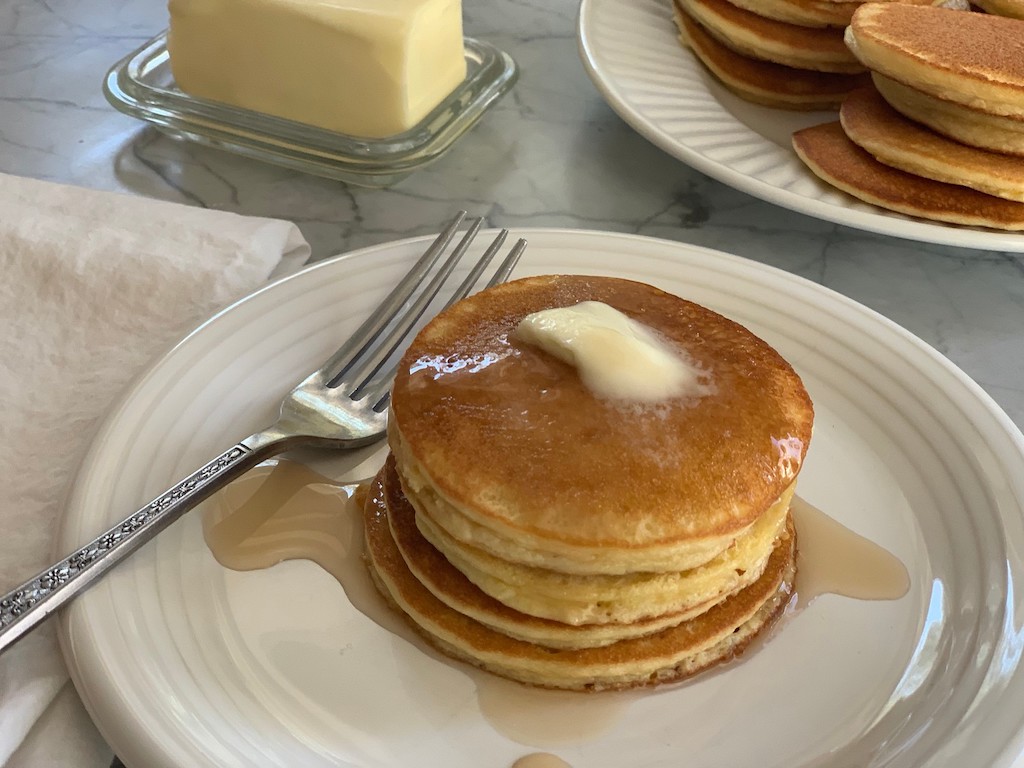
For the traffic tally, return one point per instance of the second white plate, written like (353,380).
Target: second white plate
(184,663)
(631,51)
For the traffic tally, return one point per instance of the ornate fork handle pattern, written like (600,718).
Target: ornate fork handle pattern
(27,605)
(341,405)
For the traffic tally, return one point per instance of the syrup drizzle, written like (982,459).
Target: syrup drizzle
(282,510)
(832,559)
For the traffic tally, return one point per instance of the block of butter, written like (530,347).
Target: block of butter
(368,68)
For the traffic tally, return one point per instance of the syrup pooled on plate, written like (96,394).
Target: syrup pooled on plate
(282,510)
(832,559)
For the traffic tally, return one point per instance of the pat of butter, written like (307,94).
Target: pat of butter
(616,356)
(368,68)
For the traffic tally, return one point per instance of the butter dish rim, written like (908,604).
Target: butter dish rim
(140,85)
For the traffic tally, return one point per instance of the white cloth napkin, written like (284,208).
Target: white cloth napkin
(93,285)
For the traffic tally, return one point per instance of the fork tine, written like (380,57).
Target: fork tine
(340,361)
(386,346)
(478,269)
(502,274)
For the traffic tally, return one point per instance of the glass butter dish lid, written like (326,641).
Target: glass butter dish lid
(141,85)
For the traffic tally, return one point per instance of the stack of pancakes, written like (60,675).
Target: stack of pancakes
(940,133)
(781,53)
(538,531)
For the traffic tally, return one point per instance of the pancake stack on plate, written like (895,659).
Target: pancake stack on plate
(781,53)
(538,531)
(940,135)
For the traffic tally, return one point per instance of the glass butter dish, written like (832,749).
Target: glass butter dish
(141,85)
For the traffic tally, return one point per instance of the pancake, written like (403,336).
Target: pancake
(450,586)
(804,13)
(758,37)
(820,13)
(872,124)
(828,13)
(968,126)
(764,82)
(502,445)
(832,156)
(571,540)
(974,59)
(668,655)
(1012,8)
(603,599)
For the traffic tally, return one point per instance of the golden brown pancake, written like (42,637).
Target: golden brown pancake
(833,157)
(803,13)
(770,40)
(978,129)
(875,126)
(974,59)
(601,599)
(1012,8)
(671,654)
(571,540)
(824,13)
(451,586)
(504,447)
(604,599)
(764,82)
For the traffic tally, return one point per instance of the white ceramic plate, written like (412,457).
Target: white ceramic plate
(183,663)
(632,53)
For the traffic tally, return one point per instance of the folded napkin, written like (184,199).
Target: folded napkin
(93,285)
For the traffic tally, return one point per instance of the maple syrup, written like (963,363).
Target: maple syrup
(282,510)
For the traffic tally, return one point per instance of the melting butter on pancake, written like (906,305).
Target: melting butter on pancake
(492,431)
(672,654)
(764,82)
(615,356)
(771,40)
(832,156)
(552,530)
(894,140)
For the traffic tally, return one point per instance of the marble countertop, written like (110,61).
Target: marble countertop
(551,153)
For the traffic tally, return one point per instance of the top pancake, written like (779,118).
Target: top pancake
(820,49)
(511,437)
(765,82)
(975,59)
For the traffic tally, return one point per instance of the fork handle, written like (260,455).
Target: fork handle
(23,608)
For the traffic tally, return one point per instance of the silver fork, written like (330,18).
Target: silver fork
(341,405)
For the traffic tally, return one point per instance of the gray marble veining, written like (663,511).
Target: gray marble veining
(551,153)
